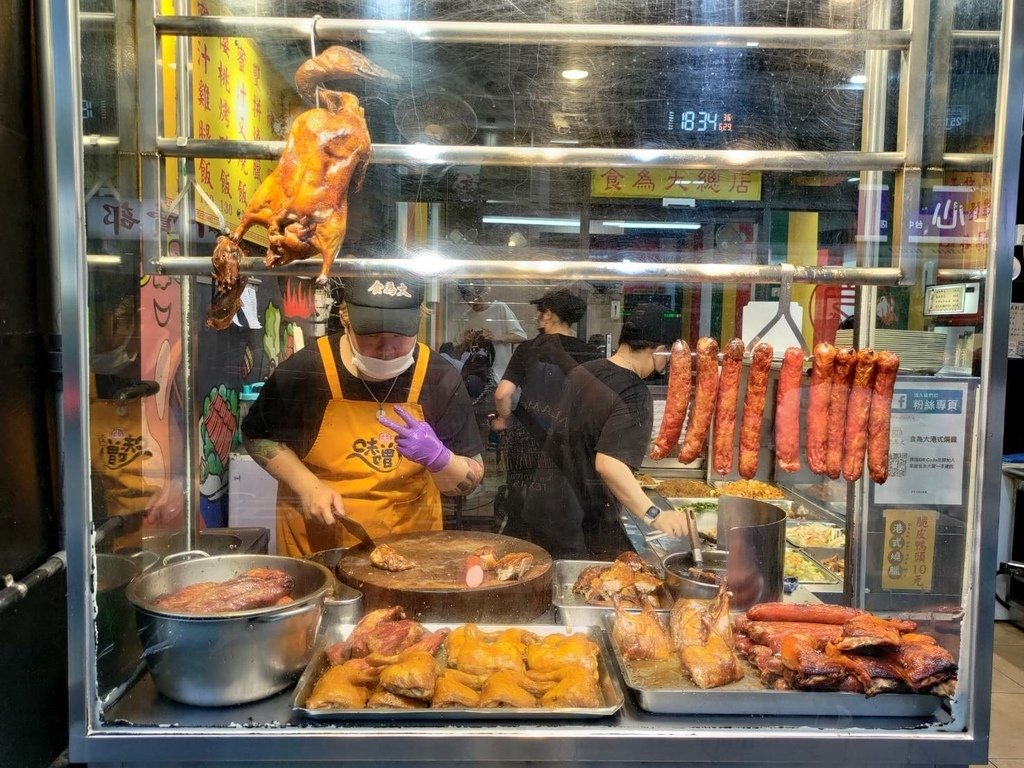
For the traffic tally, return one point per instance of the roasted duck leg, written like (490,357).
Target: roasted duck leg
(703,634)
(641,635)
(303,203)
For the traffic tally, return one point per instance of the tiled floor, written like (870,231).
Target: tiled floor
(1006,746)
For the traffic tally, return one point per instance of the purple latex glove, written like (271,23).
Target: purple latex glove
(417,441)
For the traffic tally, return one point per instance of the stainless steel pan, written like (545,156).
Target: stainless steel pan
(232,657)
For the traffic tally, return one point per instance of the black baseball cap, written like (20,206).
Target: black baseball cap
(647,325)
(384,304)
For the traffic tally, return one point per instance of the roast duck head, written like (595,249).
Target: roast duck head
(303,203)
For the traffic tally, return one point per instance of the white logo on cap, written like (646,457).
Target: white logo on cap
(378,288)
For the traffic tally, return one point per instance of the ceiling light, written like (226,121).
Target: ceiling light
(531,221)
(853,179)
(858,79)
(575,74)
(651,224)
(570,142)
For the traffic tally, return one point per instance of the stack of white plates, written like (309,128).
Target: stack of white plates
(919,351)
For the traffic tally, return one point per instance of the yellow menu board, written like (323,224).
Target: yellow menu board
(908,554)
(236,94)
(674,182)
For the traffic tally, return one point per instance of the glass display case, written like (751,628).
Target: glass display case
(277,221)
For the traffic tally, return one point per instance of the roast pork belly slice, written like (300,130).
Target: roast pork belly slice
(256,588)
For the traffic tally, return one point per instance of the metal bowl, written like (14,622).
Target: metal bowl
(344,604)
(681,585)
(232,657)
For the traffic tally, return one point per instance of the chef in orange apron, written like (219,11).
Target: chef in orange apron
(367,423)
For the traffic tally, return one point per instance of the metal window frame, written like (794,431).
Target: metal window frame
(584,744)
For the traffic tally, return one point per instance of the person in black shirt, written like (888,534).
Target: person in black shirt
(537,369)
(598,437)
(369,425)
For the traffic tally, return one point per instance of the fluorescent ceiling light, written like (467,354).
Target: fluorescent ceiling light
(575,74)
(858,79)
(531,221)
(651,224)
(565,141)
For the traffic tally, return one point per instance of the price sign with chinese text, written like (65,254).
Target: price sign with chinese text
(908,556)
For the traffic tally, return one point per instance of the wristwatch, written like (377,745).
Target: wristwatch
(651,514)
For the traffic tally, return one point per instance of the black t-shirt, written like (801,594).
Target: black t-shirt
(291,405)
(608,409)
(539,368)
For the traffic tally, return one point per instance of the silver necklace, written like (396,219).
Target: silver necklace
(380,403)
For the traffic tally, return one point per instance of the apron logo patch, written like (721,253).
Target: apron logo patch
(121,451)
(378,452)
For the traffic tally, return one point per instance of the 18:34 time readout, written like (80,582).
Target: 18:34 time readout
(699,121)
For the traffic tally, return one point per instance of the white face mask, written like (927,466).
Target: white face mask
(380,369)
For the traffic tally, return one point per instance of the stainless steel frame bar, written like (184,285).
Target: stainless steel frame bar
(271,150)
(560,157)
(429,264)
(513,33)
(978,631)
(183,117)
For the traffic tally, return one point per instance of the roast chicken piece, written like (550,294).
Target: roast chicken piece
(576,687)
(344,686)
(303,203)
(478,656)
(557,651)
(382,698)
(629,579)
(503,689)
(513,566)
(488,557)
(413,674)
(702,631)
(386,645)
(640,635)
(456,689)
(386,558)
(357,643)
(255,588)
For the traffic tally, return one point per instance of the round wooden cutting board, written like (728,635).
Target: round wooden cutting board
(436,589)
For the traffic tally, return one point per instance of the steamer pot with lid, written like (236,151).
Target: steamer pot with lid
(233,657)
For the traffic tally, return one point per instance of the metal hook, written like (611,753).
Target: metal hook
(312,50)
(785,293)
(189,181)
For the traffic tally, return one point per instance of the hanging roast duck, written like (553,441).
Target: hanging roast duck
(303,203)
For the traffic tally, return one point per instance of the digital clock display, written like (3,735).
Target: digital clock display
(700,121)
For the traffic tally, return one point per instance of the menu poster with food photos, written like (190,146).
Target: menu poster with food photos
(927,444)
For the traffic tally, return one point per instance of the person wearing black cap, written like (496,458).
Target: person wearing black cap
(537,369)
(366,423)
(603,430)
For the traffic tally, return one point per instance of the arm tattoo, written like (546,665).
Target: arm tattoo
(474,474)
(263,451)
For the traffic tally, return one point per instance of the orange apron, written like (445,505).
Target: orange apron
(356,456)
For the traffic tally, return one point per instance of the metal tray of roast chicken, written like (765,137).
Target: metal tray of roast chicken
(574,609)
(662,687)
(608,684)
